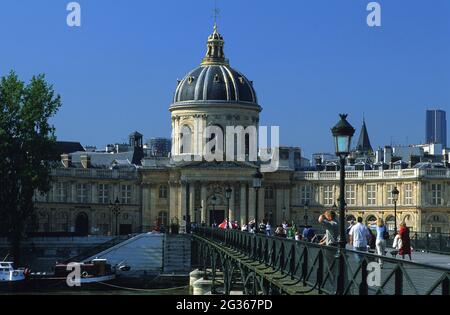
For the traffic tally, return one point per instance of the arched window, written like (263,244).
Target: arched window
(371,219)
(185,140)
(390,223)
(163,192)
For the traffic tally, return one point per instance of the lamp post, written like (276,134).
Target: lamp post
(305,217)
(115,209)
(395,194)
(214,199)
(257,183)
(342,133)
(228,192)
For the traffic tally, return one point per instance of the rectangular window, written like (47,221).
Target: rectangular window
(436,194)
(305,194)
(408,194)
(126,194)
(389,198)
(82,193)
(268,193)
(60,192)
(103,193)
(163,192)
(350,195)
(328,195)
(371,195)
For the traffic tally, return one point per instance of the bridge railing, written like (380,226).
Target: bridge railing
(317,267)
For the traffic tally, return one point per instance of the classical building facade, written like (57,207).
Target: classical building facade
(159,190)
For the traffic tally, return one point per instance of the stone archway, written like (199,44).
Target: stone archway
(82,224)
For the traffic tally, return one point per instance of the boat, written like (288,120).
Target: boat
(83,275)
(11,278)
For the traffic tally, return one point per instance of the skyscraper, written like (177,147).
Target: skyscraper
(436,127)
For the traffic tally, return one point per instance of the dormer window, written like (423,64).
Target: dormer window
(190,80)
(216,78)
(241,79)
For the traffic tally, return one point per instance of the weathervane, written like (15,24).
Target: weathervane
(216,12)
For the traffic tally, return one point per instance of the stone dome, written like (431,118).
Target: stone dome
(214,81)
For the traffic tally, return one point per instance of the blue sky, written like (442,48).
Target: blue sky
(309,59)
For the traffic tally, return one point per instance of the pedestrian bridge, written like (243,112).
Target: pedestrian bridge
(257,264)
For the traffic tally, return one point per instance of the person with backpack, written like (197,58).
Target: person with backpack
(382,236)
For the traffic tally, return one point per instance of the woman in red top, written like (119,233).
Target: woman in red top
(406,241)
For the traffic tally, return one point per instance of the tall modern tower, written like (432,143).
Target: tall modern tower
(436,127)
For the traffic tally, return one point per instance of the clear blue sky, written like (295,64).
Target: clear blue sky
(309,59)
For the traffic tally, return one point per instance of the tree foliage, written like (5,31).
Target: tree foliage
(27,147)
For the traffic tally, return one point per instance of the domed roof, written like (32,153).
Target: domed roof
(214,80)
(215,83)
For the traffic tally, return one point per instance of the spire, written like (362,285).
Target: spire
(364,145)
(215,53)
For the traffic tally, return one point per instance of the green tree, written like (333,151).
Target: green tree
(27,147)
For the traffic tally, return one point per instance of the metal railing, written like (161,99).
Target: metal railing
(429,242)
(91,251)
(317,266)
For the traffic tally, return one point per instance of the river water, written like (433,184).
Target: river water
(108,290)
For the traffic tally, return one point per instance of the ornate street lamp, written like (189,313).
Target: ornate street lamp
(257,183)
(228,192)
(115,210)
(342,133)
(395,194)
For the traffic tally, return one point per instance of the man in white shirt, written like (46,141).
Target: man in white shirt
(359,235)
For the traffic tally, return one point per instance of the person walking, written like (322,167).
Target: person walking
(328,221)
(268,229)
(405,249)
(382,236)
(359,236)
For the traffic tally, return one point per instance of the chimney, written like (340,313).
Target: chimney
(85,161)
(66,160)
(388,154)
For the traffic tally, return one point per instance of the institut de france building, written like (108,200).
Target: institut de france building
(125,191)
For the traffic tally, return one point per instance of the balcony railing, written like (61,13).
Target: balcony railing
(93,173)
(368,175)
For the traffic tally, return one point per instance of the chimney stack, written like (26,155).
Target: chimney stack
(85,161)
(66,160)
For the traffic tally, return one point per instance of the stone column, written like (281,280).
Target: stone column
(232,209)
(261,205)
(280,205)
(73,186)
(251,203)
(146,209)
(287,203)
(153,211)
(173,201)
(203,215)
(94,193)
(192,201)
(183,203)
(243,210)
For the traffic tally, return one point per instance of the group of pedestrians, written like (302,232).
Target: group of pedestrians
(361,237)
(284,230)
